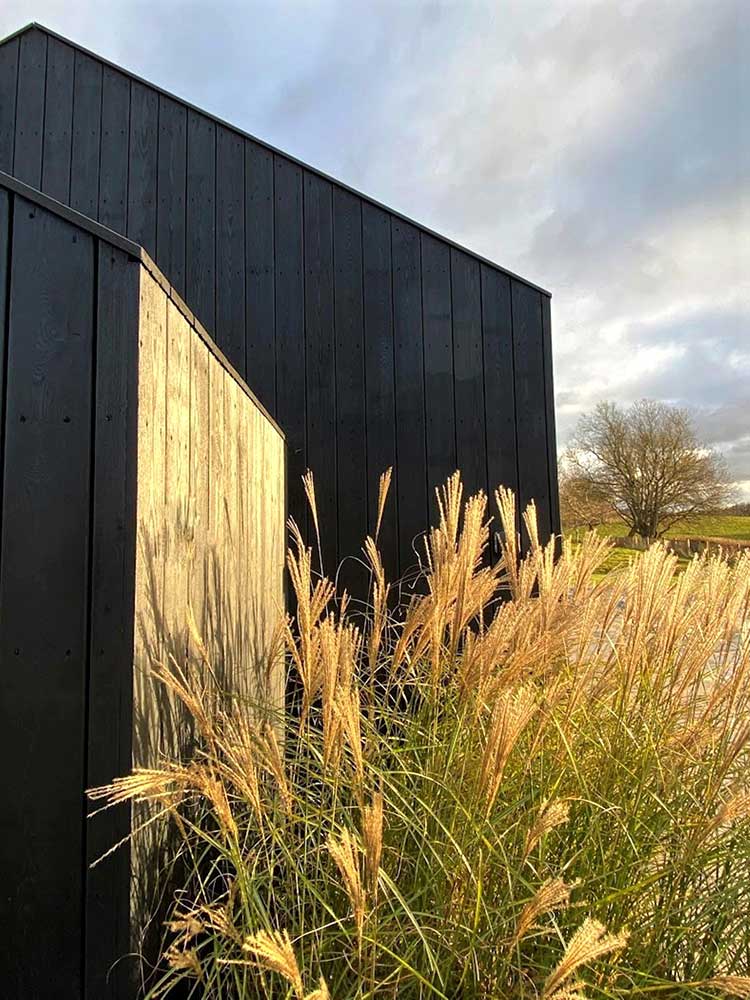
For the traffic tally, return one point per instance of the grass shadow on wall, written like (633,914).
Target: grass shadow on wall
(186,593)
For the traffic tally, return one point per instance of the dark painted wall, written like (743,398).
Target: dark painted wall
(68,334)
(119,418)
(372,341)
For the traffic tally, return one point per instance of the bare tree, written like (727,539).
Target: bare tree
(648,462)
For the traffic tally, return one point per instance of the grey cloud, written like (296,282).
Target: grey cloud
(600,148)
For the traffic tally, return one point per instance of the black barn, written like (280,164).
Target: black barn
(371,340)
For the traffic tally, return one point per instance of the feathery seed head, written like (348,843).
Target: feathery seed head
(321,993)
(731,986)
(345,854)
(549,896)
(273,950)
(372,835)
(590,942)
(551,814)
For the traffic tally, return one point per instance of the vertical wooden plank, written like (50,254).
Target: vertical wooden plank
(32,71)
(142,165)
(217,445)
(290,330)
(216,515)
(438,357)
(152,401)
(276,533)
(87,120)
(232,550)
(177,480)
(200,234)
(6,203)
(252,499)
(150,542)
(410,400)
(468,371)
(260,351)
(230,246)
(199,472)
(44,577)
(171,187)
(380,401)
(58,121)
(5,209)
(115,130)
(268,494)
(531,431)
(350,436)
(8,86)
(256,497)
(113,537)
(246,503)
(151,706)
(549,398)
(320,359)
(499,391)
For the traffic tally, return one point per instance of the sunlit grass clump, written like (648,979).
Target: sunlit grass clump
(521,785)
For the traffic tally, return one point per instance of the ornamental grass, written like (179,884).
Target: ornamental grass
(518,783)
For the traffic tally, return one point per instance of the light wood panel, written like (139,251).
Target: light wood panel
(211,490)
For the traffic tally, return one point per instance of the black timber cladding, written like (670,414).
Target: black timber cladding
(68,340)
(372,340)
(74,390)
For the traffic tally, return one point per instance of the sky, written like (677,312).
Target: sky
(601,149)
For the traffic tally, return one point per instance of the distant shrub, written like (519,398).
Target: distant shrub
(737,510)
(518,785)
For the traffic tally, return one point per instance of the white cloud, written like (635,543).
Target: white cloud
(600,148)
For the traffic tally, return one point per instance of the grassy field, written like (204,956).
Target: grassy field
(727,526)
(710,526)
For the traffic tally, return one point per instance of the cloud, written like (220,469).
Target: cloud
(602,149)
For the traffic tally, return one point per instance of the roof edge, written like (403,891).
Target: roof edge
(274,149)
(23,30)
(70,215)
(136,252)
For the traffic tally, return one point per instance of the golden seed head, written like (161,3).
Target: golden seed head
(273,950)
(551,815)
(345,854)
(549,896)
(731,986)
(590,942)
(321,993)
(372,834)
